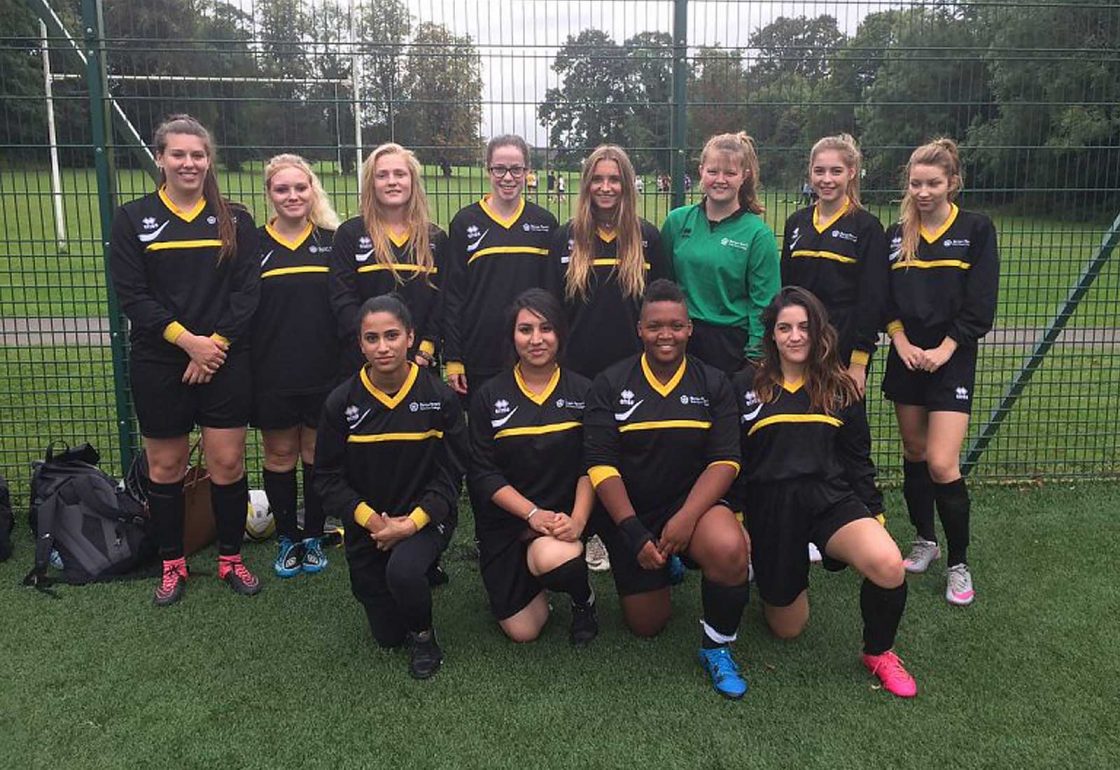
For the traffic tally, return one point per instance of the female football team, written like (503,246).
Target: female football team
(690,395)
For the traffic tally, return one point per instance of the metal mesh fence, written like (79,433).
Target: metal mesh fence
(1030,90)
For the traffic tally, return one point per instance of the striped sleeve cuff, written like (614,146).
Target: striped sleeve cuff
(428,347)
(363,513)
(859,358)
(455,367)
(419,517)
(173,331)
(219,339)
(729,463)
(601,473)
(894,327)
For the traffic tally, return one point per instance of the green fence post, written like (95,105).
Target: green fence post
(93,27)
(1042,347)
(678,126)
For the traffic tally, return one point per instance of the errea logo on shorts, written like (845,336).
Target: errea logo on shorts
(734,244)
(424,406)
(962,394)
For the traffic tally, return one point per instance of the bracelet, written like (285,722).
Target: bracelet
(531,513)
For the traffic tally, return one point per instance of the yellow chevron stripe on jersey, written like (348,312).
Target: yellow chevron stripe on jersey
(399,240)
(824,255)
(613,263)
(400,267)
(293,244)
(377,438)
(819,226)
(949,220)
(538,430)
(508,250)
(506,223)
(537,399)
(606,236)
(165,245)
(391,401)
(295,270)
(183,214)
(660,424)
(926,264)
(803,418)
(667,388)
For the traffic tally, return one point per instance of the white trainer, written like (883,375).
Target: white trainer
(958,588)
(922,553)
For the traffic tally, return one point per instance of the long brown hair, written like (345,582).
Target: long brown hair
(826,381)
(322,213)
(627,228)
(185,124)
(741,147)
(941,152)
(846,145)
(417,215)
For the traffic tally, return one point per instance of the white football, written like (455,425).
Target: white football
(259,521)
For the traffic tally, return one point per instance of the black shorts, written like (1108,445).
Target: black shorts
(782,519)
(949,389)
(510,586)
(279,411)
(630,577)
(167,407)
(718,346)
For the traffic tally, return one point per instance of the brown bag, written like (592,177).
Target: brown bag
(199,527)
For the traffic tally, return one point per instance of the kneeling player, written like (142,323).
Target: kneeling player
(530,496)
(389,461)
(800,448)
(662,444)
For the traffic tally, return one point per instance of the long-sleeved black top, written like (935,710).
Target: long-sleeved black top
(165,268)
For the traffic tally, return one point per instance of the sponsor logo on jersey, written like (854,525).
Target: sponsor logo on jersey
(843,236)
(267,257)
(501,406)
(213,220)
(324,249)
(149,237)
(734,244)
(354,416)
(562,403)
(364,243)
(950,243)
(626,397)
(424,406)
(623,416)
(962,393)
(149,223)
(473,231)
(473,245)
(531,228)
(794,237)
(500,422)
(694,400)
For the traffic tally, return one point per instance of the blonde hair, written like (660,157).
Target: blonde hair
(322,213)
(417,216)
(941,152)
(740,146)
(846,145)
(627,228)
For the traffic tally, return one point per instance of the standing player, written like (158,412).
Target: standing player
(295,352)
(836,249)
(724,255)
(392,247)
(529,493)
(498,249)
(943,285)
(389,462)
(801,450)
(663,449)
(184,264)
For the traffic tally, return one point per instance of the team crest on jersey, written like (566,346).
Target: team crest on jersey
(424,406)
(565,404)
(531,228)
(734,244)
(962,393)
(149,223)
(694,400)
(950,243)
(213,220)
(626,398)
(313,249)
(843,236)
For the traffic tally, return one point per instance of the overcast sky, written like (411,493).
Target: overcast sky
(518,39)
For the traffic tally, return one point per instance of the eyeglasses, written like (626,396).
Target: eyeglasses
(499,172)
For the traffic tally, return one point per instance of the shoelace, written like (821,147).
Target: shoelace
(724,664)
(171,576)
(958,580)
(889,664)
(921,550)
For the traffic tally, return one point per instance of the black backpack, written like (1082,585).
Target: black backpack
(98,529)
(7,521)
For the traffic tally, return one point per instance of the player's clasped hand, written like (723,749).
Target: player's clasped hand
(394,530)
(934,358)
(911,355)
(676,534)
(206,354)
(565,528)
(542,522)
(650,557)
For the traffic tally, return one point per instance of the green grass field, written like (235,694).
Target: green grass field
(1041,258)
(1024,678)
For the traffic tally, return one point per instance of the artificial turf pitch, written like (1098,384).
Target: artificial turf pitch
(1026,677)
